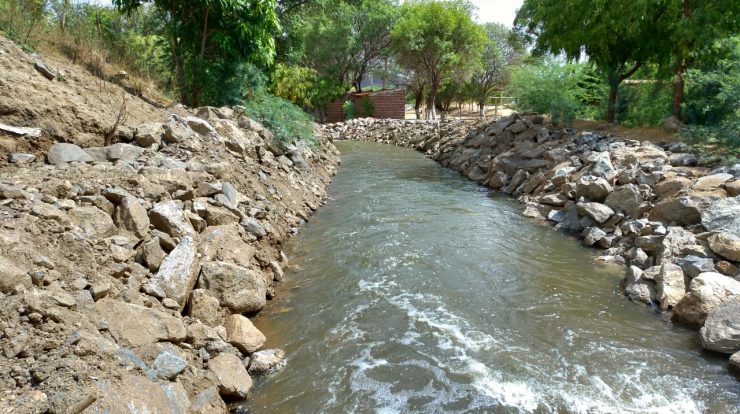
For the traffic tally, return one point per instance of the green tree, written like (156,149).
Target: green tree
(209,39)
(348,39)
(502,51)
(617,36)
(438,40)
(294,83)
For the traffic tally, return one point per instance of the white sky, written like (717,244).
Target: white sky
(501,11)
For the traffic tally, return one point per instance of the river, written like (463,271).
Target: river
(416,291)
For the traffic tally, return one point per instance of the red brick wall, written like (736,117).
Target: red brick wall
(387,104)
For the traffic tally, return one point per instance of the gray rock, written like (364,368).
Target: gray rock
(596,211)
(169,217)
(626,199)
(593,235)
(721,330)
(693,266)
(205,307)
(233,379)
(153,254)
(135,325)
(169,365)
(61,153)
(723,214)
(178,272)
(683,211)
(149,134)
(21,158)
(603,167)
(639,288)
(726,245)
(498,179)
(254,227)
(123,152)
(593,188)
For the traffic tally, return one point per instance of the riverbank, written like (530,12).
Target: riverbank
(129,271)
(672,217)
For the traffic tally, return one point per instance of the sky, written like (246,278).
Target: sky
(501,11)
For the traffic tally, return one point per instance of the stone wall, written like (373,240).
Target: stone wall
(670,215)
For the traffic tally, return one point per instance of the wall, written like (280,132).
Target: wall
(388,104)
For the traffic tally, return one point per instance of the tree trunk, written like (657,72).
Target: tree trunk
(482,109)
(678,88)
(431,102)
(611,111)
(179,71)
(418,98)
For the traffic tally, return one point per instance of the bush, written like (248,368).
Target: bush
(645,104)
(287,121)
(366,108)
(565,91)
(348,107)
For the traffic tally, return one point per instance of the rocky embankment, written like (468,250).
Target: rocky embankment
(671,216)
(129,271)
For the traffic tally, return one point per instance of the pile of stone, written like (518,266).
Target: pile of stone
(670,215)
(129,272)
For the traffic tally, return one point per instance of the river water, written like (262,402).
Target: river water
(415,290)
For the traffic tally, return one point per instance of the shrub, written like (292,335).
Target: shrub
(645,104)
(366,108)
(348,107)
(287,121)
(551,88)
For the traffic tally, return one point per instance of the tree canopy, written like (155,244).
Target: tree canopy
(439,40)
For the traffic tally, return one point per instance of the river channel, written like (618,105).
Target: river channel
(417,291)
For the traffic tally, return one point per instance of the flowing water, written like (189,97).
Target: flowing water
(415,290)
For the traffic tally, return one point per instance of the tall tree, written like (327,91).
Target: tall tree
(503,50)
(348,39)
(439,40)
(210,38)
(617,36)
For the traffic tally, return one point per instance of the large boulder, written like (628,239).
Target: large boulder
(233,379)
(593,188)
(712,182)
(670,285)
(626,199)
(240,289)
(134,325)
(726,245)
(178,272)
(639,288)
(62,153)
(723,215)
(596,211)
(149,134)
(706,292)
(94,222)
(225,244)
(132,216)
(682,211)
(674,244)
(242,333)
(169,217)
(721,331)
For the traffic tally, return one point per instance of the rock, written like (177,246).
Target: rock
(671,124)
(233,379)
(735,364)
(498,180)
(134,325)
(626,199)
(169,217)
(602,167)
(205,307)
(726,245)
(149,134)
(200,126)
(21,158)
(638,288)
(706,292)
(557,200)
(100,290)
(11,276)
(132,216)
(593,188)
(721,330)
(683,159)
(206,189)
(153,254)
(593,235)
(62,153)
(712,182)
(733,188)
(724,215)
(123,152)
(277,271)
(21,131)
(175,132)
(178,272)
(241,333)
(671,186)
(44,70)
(673,244)
(94,222)
(683,211)
(240,289)
(169,365)
(224,243)
(693,266)
(262,362)
(254,227)
(208,401)
(670,286)
(596,211)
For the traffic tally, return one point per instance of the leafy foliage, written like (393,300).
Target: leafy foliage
(294,83)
